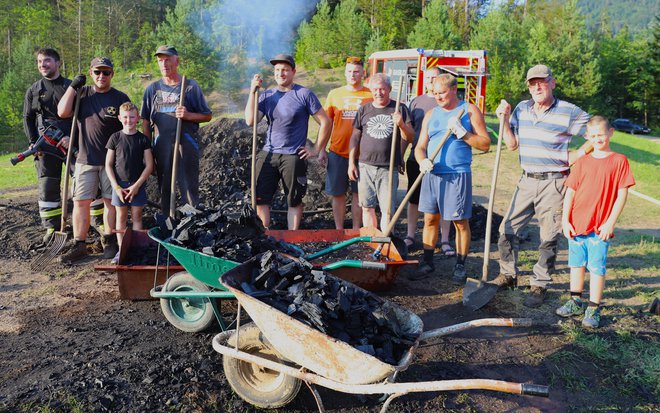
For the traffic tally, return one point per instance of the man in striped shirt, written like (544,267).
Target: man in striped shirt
(541,129)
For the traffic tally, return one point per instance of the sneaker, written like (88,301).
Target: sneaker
(571,308)
(459,273)
(505,281)
(535,297)
(76,253)
(591,317)
(110,247)
(48,235)
(115,260)
(423,271)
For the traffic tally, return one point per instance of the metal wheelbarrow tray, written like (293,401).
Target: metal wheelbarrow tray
(372,279)
(269,370)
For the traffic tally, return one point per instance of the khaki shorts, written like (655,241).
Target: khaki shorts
(87,179)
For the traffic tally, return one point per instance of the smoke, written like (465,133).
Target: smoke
(246,34)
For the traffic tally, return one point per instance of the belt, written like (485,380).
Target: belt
(546,175)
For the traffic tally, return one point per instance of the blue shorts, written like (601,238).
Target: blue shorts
(588,251)
(336,178)
(449,195)
(139,200)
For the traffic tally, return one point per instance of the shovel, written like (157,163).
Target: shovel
(58,240)
(413,187)
(253,170)
(175,154)
(478,293)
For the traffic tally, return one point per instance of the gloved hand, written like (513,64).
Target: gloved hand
(426,166)
(78,82)
(457,129)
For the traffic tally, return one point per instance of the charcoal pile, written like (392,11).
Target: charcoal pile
(226,160)
(335,307)
(149,255)
(478,224)
(232,232)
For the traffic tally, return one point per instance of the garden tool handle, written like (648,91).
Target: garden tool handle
(175,152)
(413,187)
(69,157)
(491,203)
(253,169)
(395,138)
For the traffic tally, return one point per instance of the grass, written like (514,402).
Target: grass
(19,176)
(59,403)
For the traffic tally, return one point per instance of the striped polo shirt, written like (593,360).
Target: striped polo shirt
(544,138)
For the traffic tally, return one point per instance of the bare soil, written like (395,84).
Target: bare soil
(68,340)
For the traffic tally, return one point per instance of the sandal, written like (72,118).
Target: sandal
(413,245)
(447,249)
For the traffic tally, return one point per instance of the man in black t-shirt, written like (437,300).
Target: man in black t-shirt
(97,120)
(40,113)
(371,143)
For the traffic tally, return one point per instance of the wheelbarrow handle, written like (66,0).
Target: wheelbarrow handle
(367,265)
(484,322)
(345,244)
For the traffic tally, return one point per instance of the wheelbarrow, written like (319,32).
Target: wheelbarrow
(267,361)
(375,276)
(189,299)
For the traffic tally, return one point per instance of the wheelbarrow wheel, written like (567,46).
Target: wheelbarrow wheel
(193,314)
(259,386)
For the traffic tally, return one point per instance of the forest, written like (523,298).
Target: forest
(604,53)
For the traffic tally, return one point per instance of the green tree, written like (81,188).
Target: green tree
(352,31)
(435,30)
(316,41)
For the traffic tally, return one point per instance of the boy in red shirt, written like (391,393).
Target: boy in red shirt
(597,191)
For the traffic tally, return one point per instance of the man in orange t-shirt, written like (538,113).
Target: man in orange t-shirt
(342,105)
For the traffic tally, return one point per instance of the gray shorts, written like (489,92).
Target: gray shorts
(373,186)
(449,195)
(87,179)
(336,178)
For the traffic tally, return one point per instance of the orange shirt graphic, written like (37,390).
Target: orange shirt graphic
(342,105)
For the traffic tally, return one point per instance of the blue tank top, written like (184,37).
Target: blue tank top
(456,155)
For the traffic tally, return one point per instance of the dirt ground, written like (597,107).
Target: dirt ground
(69,343)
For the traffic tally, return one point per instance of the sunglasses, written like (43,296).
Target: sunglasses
(354,60)
(105,72)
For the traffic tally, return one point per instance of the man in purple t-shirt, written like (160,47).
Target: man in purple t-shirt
(287,109)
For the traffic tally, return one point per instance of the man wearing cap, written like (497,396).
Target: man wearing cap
(97,120)
(342,105)
(541,129)
(160,109)
(287,108)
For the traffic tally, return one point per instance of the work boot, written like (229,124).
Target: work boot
(77,252)
(591,317)
(459,274)
(571,308)
(48,235)
(110,247)
(535,297)
(423,271)
(505,281)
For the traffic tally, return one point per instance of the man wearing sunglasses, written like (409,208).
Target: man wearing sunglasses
(342,105)
(97,120)
(161,111)
(541,129)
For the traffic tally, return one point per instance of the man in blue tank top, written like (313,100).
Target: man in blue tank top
(447,190)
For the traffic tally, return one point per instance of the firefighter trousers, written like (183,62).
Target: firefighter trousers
(49,173)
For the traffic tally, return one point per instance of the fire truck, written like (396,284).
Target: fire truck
(469,67)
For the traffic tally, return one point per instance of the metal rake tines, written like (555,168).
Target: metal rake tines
(53,248)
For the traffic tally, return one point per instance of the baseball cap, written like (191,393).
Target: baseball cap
(101,62)
(166,50)
(539,71)
(283,58)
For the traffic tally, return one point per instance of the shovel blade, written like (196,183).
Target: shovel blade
(56,244)
(477,293)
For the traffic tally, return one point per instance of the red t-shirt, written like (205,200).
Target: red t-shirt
(596,182)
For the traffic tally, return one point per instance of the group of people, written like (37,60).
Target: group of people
(358,124)
(114,159)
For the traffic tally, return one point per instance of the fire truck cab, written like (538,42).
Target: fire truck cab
(469,67)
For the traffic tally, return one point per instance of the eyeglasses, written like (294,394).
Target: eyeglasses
(538,82)
(354,60)
(105,72)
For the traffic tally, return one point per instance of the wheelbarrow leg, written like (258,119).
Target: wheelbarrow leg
(317,396)
(389,400)
(217,310)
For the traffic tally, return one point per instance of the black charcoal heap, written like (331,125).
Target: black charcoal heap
(332,306)
(149,255)
(232,232)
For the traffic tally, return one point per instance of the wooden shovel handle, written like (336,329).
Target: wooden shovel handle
(175,152)
(491,202)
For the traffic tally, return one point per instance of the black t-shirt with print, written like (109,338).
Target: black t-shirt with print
(376,127)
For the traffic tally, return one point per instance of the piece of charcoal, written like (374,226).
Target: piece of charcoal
(291,309)
(188,209)
(368,348)
(207,251)
(170,223)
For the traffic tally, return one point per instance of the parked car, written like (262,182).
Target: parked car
(625,125)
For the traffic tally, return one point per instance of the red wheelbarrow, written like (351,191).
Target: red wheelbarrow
(267,361)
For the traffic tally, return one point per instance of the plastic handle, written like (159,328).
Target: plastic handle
(535,390)
(381,240)
(369,265)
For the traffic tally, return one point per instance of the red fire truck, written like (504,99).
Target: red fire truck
(469,67)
